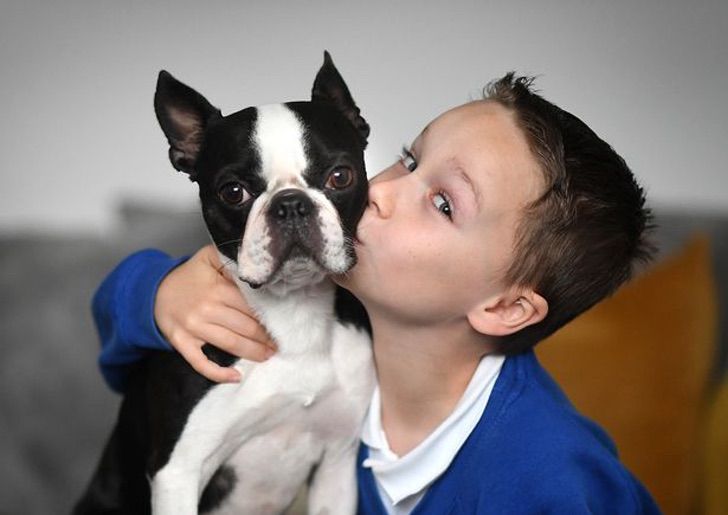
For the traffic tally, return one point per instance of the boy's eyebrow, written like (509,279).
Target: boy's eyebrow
(462,174)
(419,137)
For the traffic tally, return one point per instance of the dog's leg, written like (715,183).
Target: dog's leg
(333,486)
(175,491)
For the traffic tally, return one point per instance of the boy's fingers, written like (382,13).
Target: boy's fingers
(192,352)
(209,253)
(230,296)
(237,322)
(236,344)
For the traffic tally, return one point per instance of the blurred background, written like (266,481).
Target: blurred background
(86,180)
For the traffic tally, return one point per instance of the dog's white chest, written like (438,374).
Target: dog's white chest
(273,427)
(286,415)
(283,386)
(298,408)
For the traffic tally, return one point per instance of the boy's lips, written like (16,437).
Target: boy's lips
(362,225)
(361,233)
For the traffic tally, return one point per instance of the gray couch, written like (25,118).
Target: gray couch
(55,410)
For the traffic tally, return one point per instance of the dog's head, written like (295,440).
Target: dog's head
(282,186)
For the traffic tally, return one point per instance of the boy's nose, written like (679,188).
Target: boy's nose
(376,199)
(383,190)
(380,197)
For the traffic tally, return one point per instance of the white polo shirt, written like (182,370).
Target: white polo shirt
(403,481)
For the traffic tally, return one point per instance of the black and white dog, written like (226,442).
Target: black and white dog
(282,188)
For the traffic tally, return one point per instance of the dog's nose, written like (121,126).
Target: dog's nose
(290,204)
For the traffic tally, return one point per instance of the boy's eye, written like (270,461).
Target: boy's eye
(408,160)
(442,204)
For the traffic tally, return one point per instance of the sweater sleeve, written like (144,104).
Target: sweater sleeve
(123,310)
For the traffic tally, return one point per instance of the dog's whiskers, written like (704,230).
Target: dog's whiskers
(229,260)
(224,265)
(229,242)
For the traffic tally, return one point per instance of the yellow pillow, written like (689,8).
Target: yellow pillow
(638,364)
(715,475)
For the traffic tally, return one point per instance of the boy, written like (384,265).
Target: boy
(505,219)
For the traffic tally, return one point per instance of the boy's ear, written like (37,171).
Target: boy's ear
(504,315)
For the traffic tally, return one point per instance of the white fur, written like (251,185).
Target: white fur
(333,255)
(278,137)
(254,260)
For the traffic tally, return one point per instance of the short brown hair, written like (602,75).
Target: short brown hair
(581,239)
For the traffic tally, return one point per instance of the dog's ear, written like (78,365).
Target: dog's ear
(184,115)
(330,87)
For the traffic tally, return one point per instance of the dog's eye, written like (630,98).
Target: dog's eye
(233,193)
(340,178)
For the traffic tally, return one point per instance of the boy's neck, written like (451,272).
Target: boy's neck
(423,372)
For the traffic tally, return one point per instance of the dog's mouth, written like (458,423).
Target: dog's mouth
(297,250)
(297,263)
(299,270)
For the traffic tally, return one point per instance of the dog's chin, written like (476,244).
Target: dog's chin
(298,271)
(300,268)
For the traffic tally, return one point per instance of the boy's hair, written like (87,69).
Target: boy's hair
(580,240)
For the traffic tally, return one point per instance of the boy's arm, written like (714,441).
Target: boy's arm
(153,301)
(123,310)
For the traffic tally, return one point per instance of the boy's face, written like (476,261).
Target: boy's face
(437,236)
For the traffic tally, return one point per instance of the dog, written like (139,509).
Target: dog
(282,188)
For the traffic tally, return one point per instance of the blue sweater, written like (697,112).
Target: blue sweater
(123,309)
(531,451)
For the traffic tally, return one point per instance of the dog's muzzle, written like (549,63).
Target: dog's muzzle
(297,240)
(294,226)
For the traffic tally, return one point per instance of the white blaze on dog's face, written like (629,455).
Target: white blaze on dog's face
(293,232)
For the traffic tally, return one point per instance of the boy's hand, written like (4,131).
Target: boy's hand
(197,304)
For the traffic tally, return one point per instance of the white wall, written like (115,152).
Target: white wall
(78,133)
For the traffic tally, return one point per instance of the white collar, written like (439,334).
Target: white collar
(403,477)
